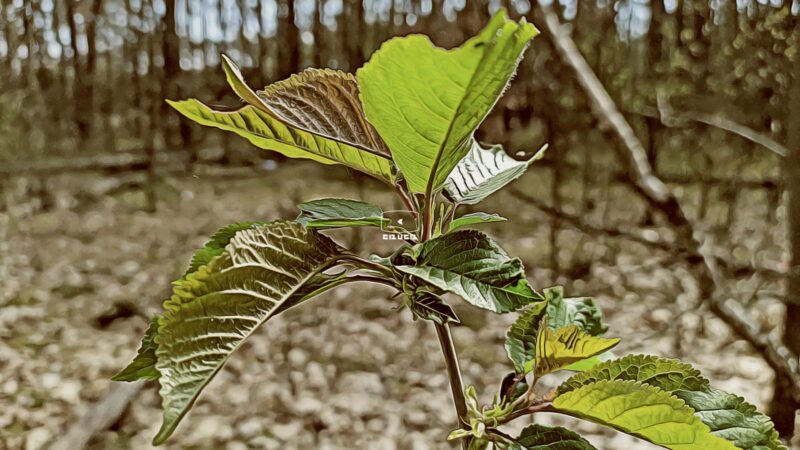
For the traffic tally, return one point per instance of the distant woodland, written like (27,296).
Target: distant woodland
(702,84)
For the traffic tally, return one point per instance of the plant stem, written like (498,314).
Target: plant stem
(454,374)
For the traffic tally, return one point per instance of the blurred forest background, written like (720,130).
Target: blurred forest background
(105,191)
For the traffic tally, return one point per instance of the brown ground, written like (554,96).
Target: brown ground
(342,372)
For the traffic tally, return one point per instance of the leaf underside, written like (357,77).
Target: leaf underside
(643,411)
(263,270)
(313,115)
(426,102)
(557,349)
(143,366)
(727,415)
(339,212)
(484,171)
(469,264)
(216,245)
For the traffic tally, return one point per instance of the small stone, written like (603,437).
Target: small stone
(250,427)
(297,357)
(68,391)
(286,432)
(315,376)
(364,382)
(236,445)
(306,405)
(37,438)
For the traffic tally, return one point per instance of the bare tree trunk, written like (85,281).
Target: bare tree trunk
(783,407)
(288,40)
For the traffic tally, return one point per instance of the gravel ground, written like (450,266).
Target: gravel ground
(343,372)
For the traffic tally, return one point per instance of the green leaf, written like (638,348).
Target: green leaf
(429,306)
(581,311)
(557,349)
(483,172)
(540,437)
(666,374)
(643,411)
(340,212)
(474,218)
(313,115)
(731,417)
(521,338)
(426,102)
(586,364)
(728,415)
(216,245)
(469,264)
(143,366)
(213,310)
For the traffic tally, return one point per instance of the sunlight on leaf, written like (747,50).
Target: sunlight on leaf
(426,102)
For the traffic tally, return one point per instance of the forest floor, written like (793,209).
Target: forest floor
(345,371)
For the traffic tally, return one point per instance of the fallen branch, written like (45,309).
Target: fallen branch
(668,116)
(656,192)
(99,417)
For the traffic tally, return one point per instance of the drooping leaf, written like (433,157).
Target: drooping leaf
(557,349)
(483,172)
(731,417)
(213,310)
(474,218)
(216,245)
(470,264)
(340,212)
(314,115)
(521,338)
(143,366)
(581,311)
(428,306)
(643,411)
(540,437)
(727,415)
(426,102)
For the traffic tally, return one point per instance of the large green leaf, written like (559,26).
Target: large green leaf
(340,212)
(540,437)
(557,349)
(580,311)
(483,172)
(473,219)
(213,310)
(521,338)
(727,415)
(216,245)
(426,102)
(143,366)
(470,264)
(314,115)
(643,411)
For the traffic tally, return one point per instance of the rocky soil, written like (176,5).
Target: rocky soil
(345,371)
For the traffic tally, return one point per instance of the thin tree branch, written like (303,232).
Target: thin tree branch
(655,191)
(669,116)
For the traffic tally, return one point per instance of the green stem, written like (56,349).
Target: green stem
(454,374)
